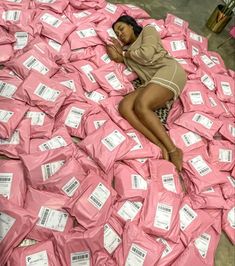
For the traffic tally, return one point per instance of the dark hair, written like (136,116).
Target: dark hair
(130,21)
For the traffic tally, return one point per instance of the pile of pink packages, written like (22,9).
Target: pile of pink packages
(109,199)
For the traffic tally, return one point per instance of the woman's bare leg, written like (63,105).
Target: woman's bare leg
(126,109)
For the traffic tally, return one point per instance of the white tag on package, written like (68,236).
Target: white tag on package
(113,140)
(37,118)
(6,222)
(7,90)
(5,184)
(33,63)
(138,182)
(187,216)
(46,93)
(37,259)
(111,239)
(136,256)
(129,210)
(74,117)
(163,216)
(99,196)
(5,115)
(200,165)
(80,258)
(54,143)
(50,169)
(202,244)
(51,20)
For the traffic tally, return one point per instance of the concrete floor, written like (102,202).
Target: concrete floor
(196,12)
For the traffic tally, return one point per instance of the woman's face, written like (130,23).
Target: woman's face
(124,32)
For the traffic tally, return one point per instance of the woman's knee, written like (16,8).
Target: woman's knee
(124,107)
(140,107)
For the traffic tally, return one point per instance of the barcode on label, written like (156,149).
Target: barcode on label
(113,140)
(51,20)
(231,130)
(167,249)
(138,251)
(202,244)
(226,88)
(99,196)
(54,143)
(71,187)
(45,216)
(114,81)
(169,182)
(200,165)
(81,258)
(208,82)
(138,182)
(206,60)
(6,89)
(191,138)
(225,155)
(74,117)
(178,45)
(196,97)
(46,93)
(33,62)
(11,15)
(178,22)
(203,120)
(87,70)
(14,140)
(111,8)
(195,37)
(5,115)
(163,216)
(86,33)
(187,216)
(51,168)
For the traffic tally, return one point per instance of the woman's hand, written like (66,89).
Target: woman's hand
(116,44)
(113,54)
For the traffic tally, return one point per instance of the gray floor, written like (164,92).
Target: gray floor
(196,12)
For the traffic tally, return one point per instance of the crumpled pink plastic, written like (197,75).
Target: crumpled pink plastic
(57,6)
(225,88)
(140,165)
(228,130)
(228,188)
(199,40)
(86,4)
(175,25)
(228,222)
(134,11)
(101,57)
(6,53)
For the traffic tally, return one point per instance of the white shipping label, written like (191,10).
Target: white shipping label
(231,130)
(231,217)
(37,118)
(191,138)
(207,61)
(99,196)
(212,102)
(46,93)
(215,59)
(6,222)
(136,256)
(178,45)
(129,210)
(55,45)
(74,117)
(231,180)
(200,165)
(167,249)
(11,15)
(226,88)
(50,169)
(203,120)
(81,258)
(163,216)
(195,51)
(52,219)
(178,21)
(111,239)
(225,156)
(86,33)
(141,160)
(21,40)
(13,140)
(87,70)
(138,182)
(14,1)
(111,8)
(99,123)
(37,259)
(82,14)
(94,96)
(105,58)
(113,81)
(5,115)
(54,143)
(208,82)
(71,186)
(46,1)
(7,90)
(138,145)
(187,216)
(69,84)
(169,182)
(196,97)
(33,63)
(113,140)
(202,244)
(51,20)
(5,184)
(195,37)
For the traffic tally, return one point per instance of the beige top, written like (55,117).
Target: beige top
(147,54)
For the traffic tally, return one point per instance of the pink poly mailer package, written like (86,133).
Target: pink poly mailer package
(107,145)
(101,57)
(15,223)
(228,130)
(228,220)
(79,247)
(225,88)
(158,25)
(113,11)
(228,188)
(5,37)
(42,253)
(66,181)
(216,107)
(140,165)
(57,6)
(11,113)
(206,78)
(203,124)
(59,138)
(175,25)
(134,11)
(41,124)
(8,84)
(138,248)
(94,97)
(128,183)
(40,166)
(165,174)
(176,46)
(47,207)
(93,202)
(32,59)
(18,143)
(12,182)
(216,57)
(105,31)
(38,90)
(160,213)
(197,39)
(192,222)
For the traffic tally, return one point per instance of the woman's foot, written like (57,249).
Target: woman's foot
(176,157)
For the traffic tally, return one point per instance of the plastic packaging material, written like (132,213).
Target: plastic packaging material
(193,222)
(134,11)
(40,166)
(79,247)
(15,223)
(8,84)
(11,113)
(138,248)
(18,143)
(12,183)
(128,183)
(80,16)
(93,202)
(225,88)
(57,6)
(164,173)
(71,116)
(6,53)
(105,31)
(228,130)
(127,72)
(106,145)
(140,165)
(95,4)
(51,217)
(228,188)
(160,213)
(41,253)
(22,4)
(175,25)
(222,154)
(216,57)
(206,78)
(187,65)
(157,24)
(112,11)
(38,90)
(101,57)
(175,112)
(216,107)
(176,46)
(199,40)
(228,220)
(84,36)
(201,123)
